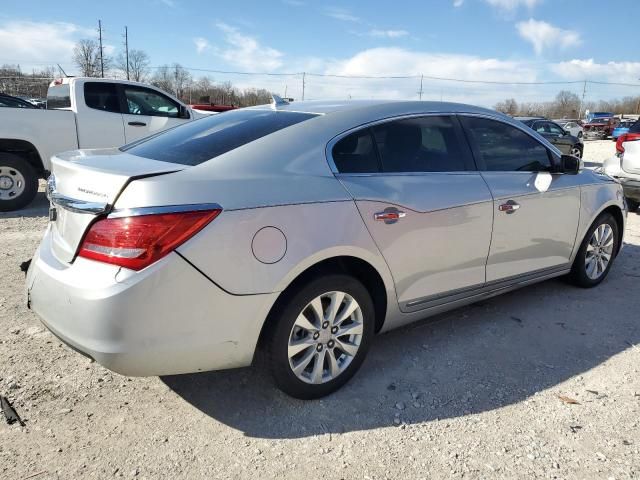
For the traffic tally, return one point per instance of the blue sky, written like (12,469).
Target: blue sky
(495,40)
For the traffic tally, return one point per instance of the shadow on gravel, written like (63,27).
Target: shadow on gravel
(478,358)
(39,207)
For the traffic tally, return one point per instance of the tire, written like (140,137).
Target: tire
(632,204)
(576,151)
(580,135)
(287,336)
(18,182)
(580,271)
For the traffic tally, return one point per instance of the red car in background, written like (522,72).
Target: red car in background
(600,127)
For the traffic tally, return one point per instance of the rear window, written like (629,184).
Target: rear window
(196,142)
(59,96)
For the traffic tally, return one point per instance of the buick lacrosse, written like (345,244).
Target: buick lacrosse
(301,230)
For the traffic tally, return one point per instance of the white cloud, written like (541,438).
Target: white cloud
(34,43)
(201,44)
(512,5)
(458,3)
(246,52)
(341,14)
(620,72)
(543,35)
(388,33)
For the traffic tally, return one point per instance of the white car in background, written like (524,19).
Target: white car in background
(625,166)
(81,113)
(571,126)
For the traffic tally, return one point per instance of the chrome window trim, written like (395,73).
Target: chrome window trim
(524,128)
(77,206)
(135,212)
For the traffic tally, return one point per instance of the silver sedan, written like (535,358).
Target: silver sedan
(302,230)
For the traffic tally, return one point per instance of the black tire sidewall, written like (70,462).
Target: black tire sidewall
(578,271)
(277,355)
(30,178)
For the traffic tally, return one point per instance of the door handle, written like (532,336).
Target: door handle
(137,124)
(509,207)
(389,216)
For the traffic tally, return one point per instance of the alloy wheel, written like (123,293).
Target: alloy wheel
(599,251)
(325,337)
(575,151)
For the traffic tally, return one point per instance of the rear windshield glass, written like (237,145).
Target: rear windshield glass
(201,140)
(635,128)
(58,96)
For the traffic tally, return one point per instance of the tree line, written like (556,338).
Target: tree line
(568,105)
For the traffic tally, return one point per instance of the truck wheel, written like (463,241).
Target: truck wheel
(18,182)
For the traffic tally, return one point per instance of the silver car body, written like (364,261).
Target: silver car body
(286,209)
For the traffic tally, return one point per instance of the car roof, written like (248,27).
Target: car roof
(526,119)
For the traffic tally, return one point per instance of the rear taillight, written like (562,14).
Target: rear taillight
(138,241)
(626,137)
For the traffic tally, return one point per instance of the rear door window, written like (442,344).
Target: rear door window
(198,141)
(144,101)
(102,96)
(423,144)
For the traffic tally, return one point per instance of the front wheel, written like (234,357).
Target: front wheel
(321,337)
(597,252)
(576,151)
(18,182)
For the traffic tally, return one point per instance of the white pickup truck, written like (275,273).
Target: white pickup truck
(81,113)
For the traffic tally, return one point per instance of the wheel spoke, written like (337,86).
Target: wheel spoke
(348,348)
(334,306)
(334,369)
(591,265)
(318,367)
(351,329)
(348,310)
(299,346)
(316,306)
(304,362)
(303,322)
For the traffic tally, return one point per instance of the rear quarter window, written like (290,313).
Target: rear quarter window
(59,96)
(198,141)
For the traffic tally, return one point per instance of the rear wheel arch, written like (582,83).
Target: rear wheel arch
(26,151)
(360,269)
(616,212)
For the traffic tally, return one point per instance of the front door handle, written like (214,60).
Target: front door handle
(389,216)
(509,207)
(137,124)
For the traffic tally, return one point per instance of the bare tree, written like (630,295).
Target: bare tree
(509,106)
(566,105)
(175,79)
(86,56)
(138,65)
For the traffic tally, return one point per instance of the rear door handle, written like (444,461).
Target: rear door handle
(137,124)
(389,216)
(509,207)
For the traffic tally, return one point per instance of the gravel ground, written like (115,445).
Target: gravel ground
(486,391)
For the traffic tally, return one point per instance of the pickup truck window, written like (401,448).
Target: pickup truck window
(144,101)
(102,96)
(59,96)
(196,142)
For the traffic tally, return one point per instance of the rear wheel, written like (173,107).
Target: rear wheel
(576,151)
(18,182)
(322,336)
(597,252)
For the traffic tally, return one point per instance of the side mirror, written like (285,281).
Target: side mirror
(183,112)
(569,164)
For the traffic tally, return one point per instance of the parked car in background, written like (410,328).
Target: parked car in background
(600,128)
(81,113)
(625,166)
(301,230)
(559,138)
(14,102)
(622,128)
(572,126)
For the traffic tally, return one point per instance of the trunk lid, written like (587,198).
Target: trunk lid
(85,184)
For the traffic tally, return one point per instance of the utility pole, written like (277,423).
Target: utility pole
(100,38)
(584,92)
(420,92)
(126,48)
(304,75)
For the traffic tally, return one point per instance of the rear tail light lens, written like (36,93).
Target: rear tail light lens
(138,241)
(626,137)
